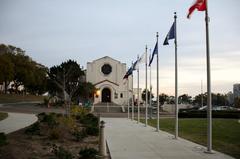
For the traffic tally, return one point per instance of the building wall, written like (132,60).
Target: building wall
(114,81)
(236,90)
(230,98)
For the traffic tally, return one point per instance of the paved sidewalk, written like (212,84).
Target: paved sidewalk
(16,121)
(128,140)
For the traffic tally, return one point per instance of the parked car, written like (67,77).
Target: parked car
(218,108)
(203,108)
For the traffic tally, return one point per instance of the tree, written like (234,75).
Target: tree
(163,98)
(237,102)
(37,83)
(65,81)
(23,73)
(4,49)
(148,95)
(86,91)
(19,68)
(185,99)
(217,99)
(27,72)
(198,99)
(6,69)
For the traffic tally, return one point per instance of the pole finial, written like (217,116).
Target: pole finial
(146,47)
(157,35)
(175,14)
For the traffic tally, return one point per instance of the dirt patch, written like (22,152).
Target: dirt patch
(40,140)
(22,146)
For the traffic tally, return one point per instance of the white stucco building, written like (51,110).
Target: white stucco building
(236,90)
(107,75)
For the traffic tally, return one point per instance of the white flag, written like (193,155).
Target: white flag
(142,59)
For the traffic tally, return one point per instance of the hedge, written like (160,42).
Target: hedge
(215,114)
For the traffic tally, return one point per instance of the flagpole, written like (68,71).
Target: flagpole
(157,89)
(138,115)
(128,97)
(132,97)
(176,77)
(201,94)
(146,92)
(209,99)
(150,102)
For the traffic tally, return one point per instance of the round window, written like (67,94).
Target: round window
(106,69)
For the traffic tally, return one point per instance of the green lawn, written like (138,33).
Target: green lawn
(3,115)
(12,98)
(226,132)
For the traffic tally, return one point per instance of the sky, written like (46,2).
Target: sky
(53,31)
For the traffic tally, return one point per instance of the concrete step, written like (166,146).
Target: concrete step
(106,104)
(107,109)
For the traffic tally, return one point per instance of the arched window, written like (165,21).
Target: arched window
(121,95)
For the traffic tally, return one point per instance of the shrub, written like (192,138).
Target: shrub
(80,135)
(226,114)
(93,131)
(59,115)
(77,110)
(215,114)
(88,153)
(50,119)
(54,134)
(45,100)
(34,129)
(58,103)
(68,122)
(3,139)
(3,116)
(41,116)
(89,120)
(61,153)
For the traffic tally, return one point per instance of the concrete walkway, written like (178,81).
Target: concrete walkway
(16,121)
(128,140)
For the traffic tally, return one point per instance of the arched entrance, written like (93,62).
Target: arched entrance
(106,95)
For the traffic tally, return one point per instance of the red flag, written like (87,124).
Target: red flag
(200,5)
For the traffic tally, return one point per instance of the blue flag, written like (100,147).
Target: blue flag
(170,35)
(155,51)
(131,69)
(128,73)
(134,66)
(150,57)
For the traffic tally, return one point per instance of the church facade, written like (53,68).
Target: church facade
(107,75)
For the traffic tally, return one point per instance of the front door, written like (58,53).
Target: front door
(106,95)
